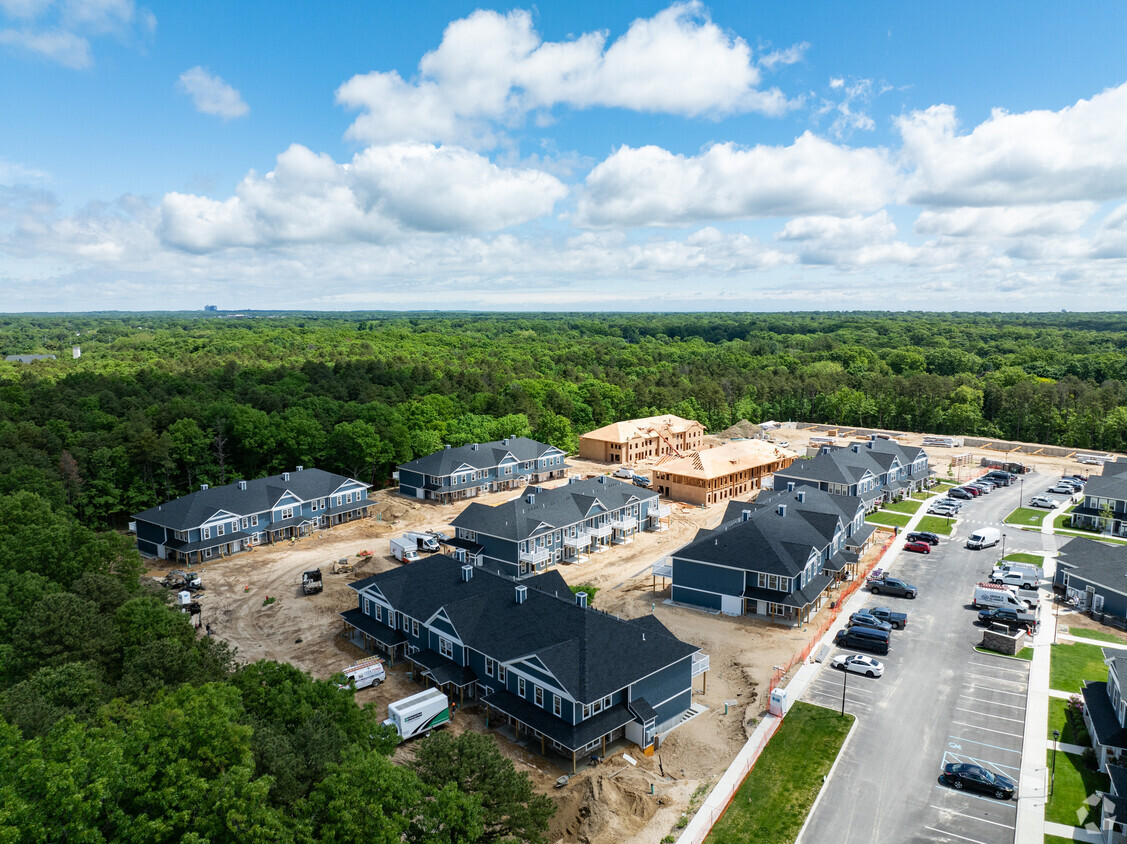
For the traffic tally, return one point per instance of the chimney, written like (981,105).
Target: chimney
(825,449)
(473,447)
(446,446)
(286,477)
(203,486)
(505,441)
(299,468)
(801,497)
(745,515)
(602,479)
(869,444)
(467,573)
(872,437)
(790,486)
(522,593)
(581,599)
(782,510)
(460,554)
(857,448)
(242,484)
(530,498)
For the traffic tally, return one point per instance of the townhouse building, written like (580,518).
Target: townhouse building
(453,474)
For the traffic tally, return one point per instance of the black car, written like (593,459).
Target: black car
(958,492)
(923,536)
(976,778)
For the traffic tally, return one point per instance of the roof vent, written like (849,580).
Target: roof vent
(856,448)
(790,486)
(467,573)
(602,479)
(203,486)
(300,468)
(581,599)
(460,554)
(446,447)
(530,498)
(286,476)
(782,510)
(872,437)
(505,441)
(825,449)
(869,444)
(801,497)
(522,593)
(242,484)
(745,515)
(473,447)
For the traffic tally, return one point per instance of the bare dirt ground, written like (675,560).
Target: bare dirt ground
(613,801)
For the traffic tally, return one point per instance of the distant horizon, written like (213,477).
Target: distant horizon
(682,155)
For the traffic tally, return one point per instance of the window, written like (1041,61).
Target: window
(489,664)
(775,609)
(606,702)
(539,693)
(339,500)
(520,686)
(246,522)
(586,710)
(597,706)
(205,533)
(445,647)
(406,624)
(219,529)
(348,498)
(254,520)
(207,554)
(501,672)
(415,628)
(287,513)
(379,612)
(557,706)
(367,607)
(255,538)
(234,525)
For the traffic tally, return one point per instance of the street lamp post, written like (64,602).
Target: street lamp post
(844,684)
(1003,546)
(1020,492)
(1053,776)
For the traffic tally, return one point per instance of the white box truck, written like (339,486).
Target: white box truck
(997,595)
(366,672)
(423,541)
(405,550)
(418,714)
(984,538)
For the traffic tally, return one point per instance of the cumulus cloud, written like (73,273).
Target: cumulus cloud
(495,69)
(650,186)
(211,95)
(1034,157)
(62,31)
(1019,221)
(383,194)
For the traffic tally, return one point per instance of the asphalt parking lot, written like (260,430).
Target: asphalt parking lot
(939,701)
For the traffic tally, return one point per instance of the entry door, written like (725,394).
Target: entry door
(731,604)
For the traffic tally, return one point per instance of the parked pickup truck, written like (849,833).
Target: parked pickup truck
(1013,619)
(898,620)
(892,586)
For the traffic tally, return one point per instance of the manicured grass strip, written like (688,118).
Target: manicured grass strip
(1095,537)
(1071,664)
(1058,721)
(1025,516)
(906,506)
(1024,653)
(936,524)
(772,803)
(942,486)
(882,517)
(1098,635)
(1073,783)
(1018,557)
(922,496)
(1056,839)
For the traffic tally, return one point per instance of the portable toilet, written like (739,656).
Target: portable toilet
(778,705)
(184,597)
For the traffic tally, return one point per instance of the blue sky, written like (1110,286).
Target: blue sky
(628,156)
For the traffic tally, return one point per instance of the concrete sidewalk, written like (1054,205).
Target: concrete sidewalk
(1073,833)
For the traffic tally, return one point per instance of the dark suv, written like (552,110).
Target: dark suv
(863,639)
(959,492)
(923,536)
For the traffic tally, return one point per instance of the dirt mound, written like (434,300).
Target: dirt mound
(600,809)
(743,428)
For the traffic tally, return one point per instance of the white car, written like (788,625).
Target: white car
(1042,501)
(859,664)
(1062,489)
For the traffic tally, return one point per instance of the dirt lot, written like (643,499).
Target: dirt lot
(612,801)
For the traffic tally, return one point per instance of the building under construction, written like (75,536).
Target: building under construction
(732,470)
(642,439)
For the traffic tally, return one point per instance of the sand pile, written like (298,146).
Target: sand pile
(743,428)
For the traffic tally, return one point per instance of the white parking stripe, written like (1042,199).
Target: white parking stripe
(962,757)
(987,729)
(996,679)
(990,715)
(973,817)
(1020,706)
(984,744)
(953,835)
(999,668)
(1000,691)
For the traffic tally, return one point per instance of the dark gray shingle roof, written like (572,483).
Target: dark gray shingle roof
(478,456)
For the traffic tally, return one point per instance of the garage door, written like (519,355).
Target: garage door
(731,604)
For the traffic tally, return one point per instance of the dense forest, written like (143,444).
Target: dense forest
(119,723)
(158,404)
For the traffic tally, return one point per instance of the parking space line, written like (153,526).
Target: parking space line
(973,817)
(999,668)
(997,679)
(959,757)
(989,715)
(987,729)
(1000,691)
(984,744)
(954,835)
(996,702)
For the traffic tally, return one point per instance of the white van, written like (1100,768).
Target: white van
(366,672)
(420,713)
(997,595)
(1007,566)
(984,538)
(1020,579)
(423,541)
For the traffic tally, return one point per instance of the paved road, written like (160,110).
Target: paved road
(939,701)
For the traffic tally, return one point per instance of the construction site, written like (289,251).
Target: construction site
(258,602)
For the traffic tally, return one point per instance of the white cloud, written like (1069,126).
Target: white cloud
(384,194)
(1019,221)
(65,48)
(25,9)
(850,109)
(62,31)
(493,68)
(790,55)
(1076,153)
(211,95)
(651,186)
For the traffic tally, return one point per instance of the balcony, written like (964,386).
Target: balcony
(535,556)
(599,531)
(661,511)
(581,540)
(624,523)
(700,663)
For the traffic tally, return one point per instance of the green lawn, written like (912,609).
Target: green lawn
(1018,557)
(1099,635)
(1026,516)
(907,506)
(1062,521)
(922,496)
(1024,653)
(883,517)
(1056,839)
(1073,783)
(775,798)
(941,486)
(936,524)
(1071,664)
(1057,721)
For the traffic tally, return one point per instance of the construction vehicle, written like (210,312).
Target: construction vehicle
(366,672)
(178,579)
(418,714)
(343,566)
(311,582)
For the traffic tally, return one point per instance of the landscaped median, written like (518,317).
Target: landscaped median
(774,799)
(1020,557)
(936,524)
(1071,664)
(1026,517)
(885,518)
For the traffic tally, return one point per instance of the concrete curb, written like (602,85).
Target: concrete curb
(828,777)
